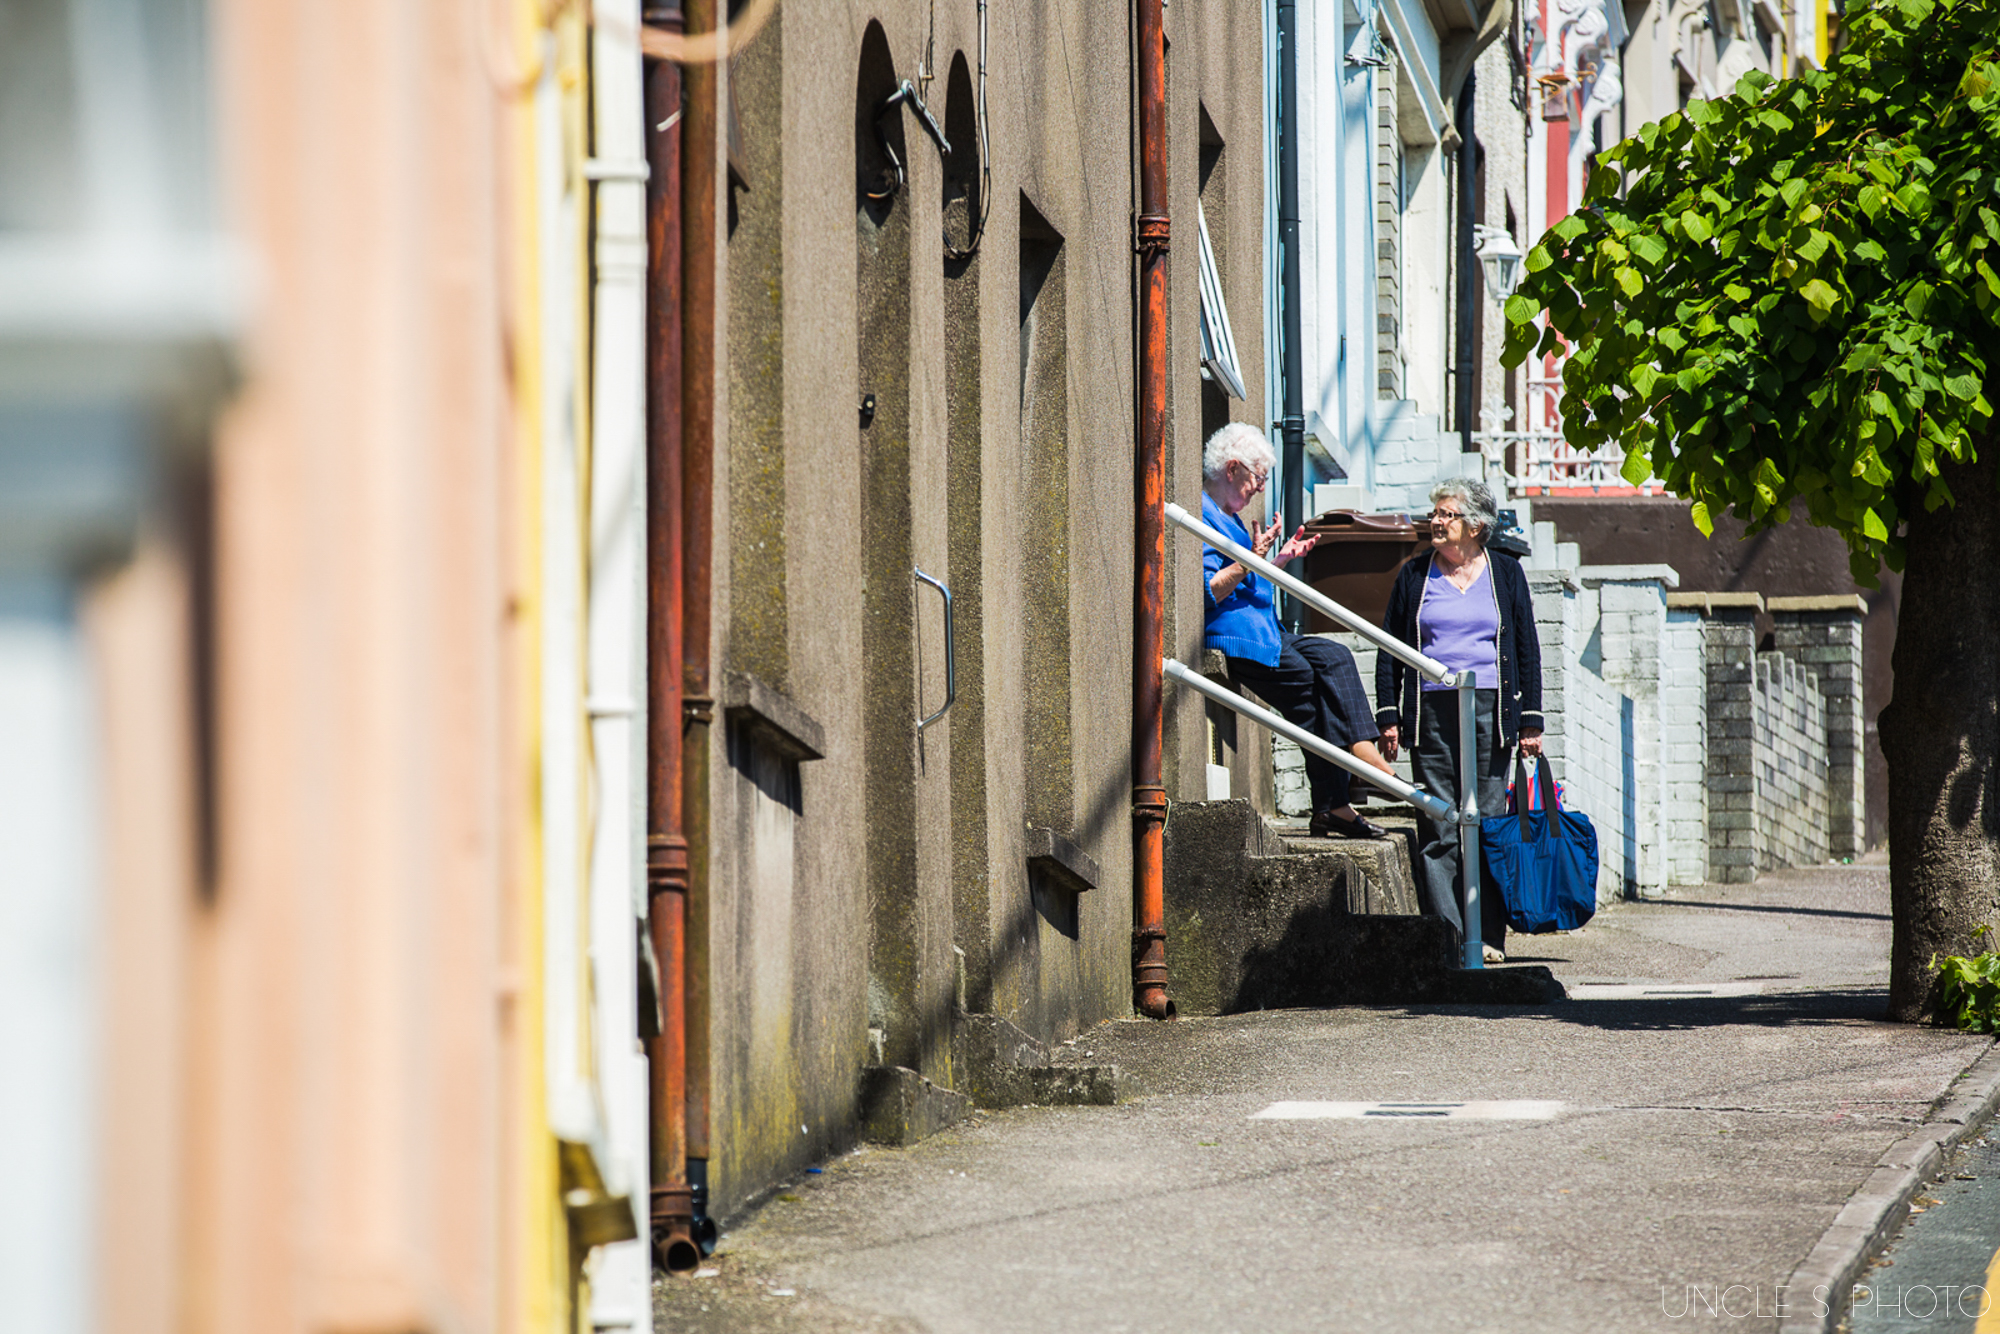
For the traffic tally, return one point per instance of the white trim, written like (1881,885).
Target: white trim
(1420,61)
(1218,342)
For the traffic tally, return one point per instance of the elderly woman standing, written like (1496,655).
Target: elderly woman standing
(1313,682)
(1468,608)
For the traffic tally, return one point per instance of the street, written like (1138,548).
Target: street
(1702,1144)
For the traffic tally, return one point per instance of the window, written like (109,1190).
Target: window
(1218,344)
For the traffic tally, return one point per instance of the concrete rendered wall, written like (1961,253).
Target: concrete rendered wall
(854,904)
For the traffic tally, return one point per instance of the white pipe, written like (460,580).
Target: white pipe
(1429,668)
(1435,807)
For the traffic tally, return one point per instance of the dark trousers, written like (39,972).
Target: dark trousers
(1434,762)
(1315,684)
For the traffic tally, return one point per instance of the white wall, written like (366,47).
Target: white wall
(1426,276)
(48,985)
(1684,732)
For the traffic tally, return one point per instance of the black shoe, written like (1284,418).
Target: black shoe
(1328,825)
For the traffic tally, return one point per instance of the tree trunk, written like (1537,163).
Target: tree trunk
(1941,737)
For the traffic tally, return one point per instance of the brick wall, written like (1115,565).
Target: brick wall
(1697,758)
(1790,757)
(1411,453)
(1823,635)
(1732,775)
(1388,236)
(1770,802)
(1631,623)
(1293,795)
(1590,725)
(1684,741)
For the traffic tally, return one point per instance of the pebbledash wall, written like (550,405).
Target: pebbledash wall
(1697,757)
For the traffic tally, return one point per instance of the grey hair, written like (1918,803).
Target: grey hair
(1238,442)
(1476,496)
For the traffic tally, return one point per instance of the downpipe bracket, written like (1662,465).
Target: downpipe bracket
(1153,234)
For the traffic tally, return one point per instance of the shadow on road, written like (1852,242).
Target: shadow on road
(1787,909)
(1787,1009)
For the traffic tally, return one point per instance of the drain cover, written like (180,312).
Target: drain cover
(1440,1111)
(1660,990)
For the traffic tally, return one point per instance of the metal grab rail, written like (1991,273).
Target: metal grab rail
(1436,807)
(950,662)
(1427,667)
(1465,814)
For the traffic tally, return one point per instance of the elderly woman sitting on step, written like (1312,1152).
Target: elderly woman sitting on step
(1311,681)
(1468,608)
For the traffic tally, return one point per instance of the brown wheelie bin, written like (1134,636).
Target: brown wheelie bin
(1356,560)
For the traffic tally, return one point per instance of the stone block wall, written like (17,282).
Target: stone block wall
(1294,798)
(1590,725)
(1790,760)
(1697,758)
(1411,453)
(1684,742)
(1768,781)
(1730,660)
(1629,638)
(1823,635)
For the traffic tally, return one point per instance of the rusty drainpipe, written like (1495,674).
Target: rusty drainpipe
(672,1214)
(1149,798)
(698,186)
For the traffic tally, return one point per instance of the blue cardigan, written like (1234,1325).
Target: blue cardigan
(1242,625)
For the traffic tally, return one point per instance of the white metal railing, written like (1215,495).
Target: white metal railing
(1544,460)
(1465,814)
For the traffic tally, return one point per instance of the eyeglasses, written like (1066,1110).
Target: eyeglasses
(1257,479)
(1447,515)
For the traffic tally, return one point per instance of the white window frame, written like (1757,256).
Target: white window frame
(1218,343)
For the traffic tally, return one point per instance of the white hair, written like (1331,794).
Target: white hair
(1481,512)
(1238,442)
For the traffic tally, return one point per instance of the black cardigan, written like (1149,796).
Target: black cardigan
(1520,649)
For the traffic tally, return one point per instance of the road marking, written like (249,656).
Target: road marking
(1989,1314)
(1660,990)
(1443,1111)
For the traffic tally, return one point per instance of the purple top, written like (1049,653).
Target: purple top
(1461,630)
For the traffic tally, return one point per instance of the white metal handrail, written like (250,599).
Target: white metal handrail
(1427,667)
(1436,807)
(1465,814)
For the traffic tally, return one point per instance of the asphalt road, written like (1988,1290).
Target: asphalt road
(1938,1276)
(1701,1145)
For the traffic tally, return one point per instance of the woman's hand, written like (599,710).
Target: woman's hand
(1262,538)
(1531,742)
(1298,546)
(1387,743)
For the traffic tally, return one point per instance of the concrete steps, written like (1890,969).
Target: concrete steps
(994,1064)
(1258,917)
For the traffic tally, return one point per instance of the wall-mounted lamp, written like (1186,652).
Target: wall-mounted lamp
(1499,259)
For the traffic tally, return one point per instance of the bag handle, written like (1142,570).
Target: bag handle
(1546,781)
(1521,794)
(1551,804)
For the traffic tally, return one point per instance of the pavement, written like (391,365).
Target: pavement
(1700,1149)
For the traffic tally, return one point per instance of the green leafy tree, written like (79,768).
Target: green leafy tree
(1788,300)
